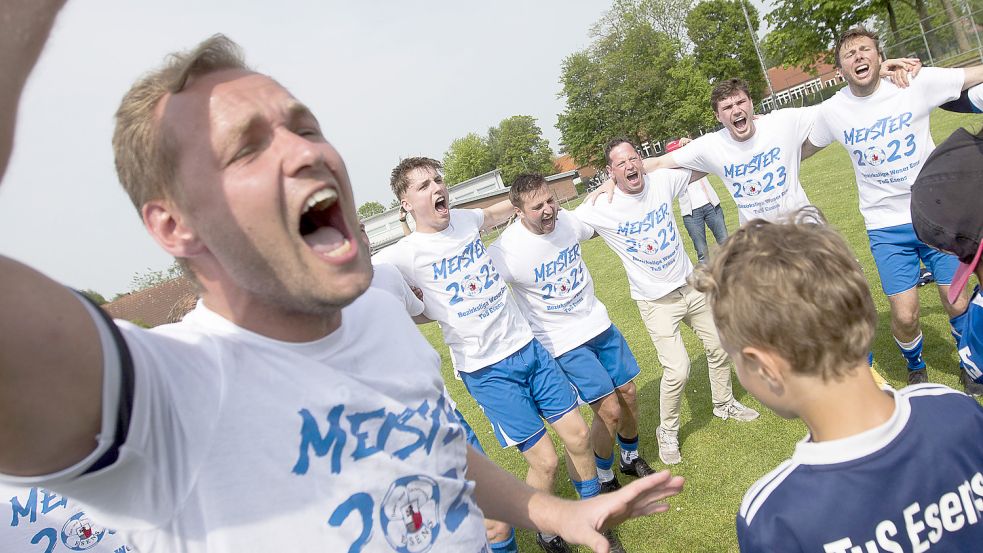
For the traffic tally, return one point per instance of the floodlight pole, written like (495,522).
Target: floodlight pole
(761,60)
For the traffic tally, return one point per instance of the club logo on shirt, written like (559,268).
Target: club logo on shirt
(472,285)
(79,533)
(874,156)
(409,514)
(648,246)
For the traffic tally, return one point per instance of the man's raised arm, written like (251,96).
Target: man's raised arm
(26,24)
(50,357)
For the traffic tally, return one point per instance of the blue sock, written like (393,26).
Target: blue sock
(507,546)
(629,448)
(604,464)
(587,488)
(870,359)
(912,352)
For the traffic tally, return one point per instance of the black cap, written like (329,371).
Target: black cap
(947,202)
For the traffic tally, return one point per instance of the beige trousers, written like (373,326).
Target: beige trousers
(662,318)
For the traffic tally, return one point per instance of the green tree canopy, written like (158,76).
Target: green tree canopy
(153,278)
(723,45)
(637,83)
(96,297)
(467,158)
(517,146)
(369,209)
(804,33)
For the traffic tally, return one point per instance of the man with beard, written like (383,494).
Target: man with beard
(292,409)
(886,131)
(638,226)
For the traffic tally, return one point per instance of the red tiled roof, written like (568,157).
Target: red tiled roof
(784,77)
(566,163)
(165,303)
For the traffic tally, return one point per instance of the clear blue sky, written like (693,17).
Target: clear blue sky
(387,79)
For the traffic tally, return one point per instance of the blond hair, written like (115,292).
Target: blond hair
(795,289)
(146,158)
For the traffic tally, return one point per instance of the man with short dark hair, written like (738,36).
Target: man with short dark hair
(540,256)
(886,131)
(291,409)
(504,367)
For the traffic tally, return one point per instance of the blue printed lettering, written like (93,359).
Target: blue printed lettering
(566,257)
(48,502)
(881,127)
(361,449)
(362,504)
(20,510)
(450,265)
(310,437)
(757,163)
(458,510)
(638,227)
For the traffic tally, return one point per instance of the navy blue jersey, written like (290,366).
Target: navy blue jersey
(968,328)
(913,484)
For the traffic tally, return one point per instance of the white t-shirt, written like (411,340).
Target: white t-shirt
(239,442)
(697,193)
(887,136)
(551,283)
(43,521)
(387,277)
(640,228)
(462,290)
(761,173)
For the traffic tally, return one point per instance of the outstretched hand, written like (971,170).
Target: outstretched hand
(900,70)
(584,521)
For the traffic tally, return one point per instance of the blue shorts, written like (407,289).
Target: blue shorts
(897,251)
(599,365)
(515,392)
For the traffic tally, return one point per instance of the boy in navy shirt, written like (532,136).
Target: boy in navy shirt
(881,470)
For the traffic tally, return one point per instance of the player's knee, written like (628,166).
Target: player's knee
(628,393)
(542,458)
(958,307)
(496,531)
(905,320)
(609,411)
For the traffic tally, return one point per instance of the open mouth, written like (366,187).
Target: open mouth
(440,205)
(322,225)
(631,176)
(740,123)
(862,70)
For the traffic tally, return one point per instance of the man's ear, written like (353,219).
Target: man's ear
(517,212)
(169,228)
(405,205)
(766,365)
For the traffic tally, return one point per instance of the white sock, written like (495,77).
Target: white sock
(605,475)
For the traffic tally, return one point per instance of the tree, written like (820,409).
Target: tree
(154,278)
(665,16)
(635,83)
(517,146)
(804,33)
(394,204)
(96,297)
(723,44)
(467,158)
(369,209)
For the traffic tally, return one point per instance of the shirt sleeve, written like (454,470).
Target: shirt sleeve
(676,179)
(805,120)
(694,155)
(582,230)
(389,278)
(820,135)
(938,85)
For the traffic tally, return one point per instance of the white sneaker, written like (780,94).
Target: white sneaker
(668,446)
(735,410)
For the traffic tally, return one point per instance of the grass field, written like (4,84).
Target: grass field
(722,458)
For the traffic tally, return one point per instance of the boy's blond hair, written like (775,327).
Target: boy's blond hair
(793,288)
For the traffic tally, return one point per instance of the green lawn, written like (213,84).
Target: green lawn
(722,458)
